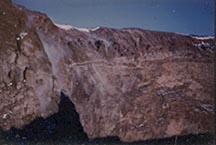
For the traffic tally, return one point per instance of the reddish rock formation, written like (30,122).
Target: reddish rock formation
(131,83)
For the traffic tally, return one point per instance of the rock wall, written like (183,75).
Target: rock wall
(131,83)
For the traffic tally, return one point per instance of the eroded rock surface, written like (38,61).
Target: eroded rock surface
(131,83)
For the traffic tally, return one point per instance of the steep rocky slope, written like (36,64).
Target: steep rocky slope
(131,83)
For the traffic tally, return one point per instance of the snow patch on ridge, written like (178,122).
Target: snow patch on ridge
(203,37)
(197,37)
(183,34)
(65,27)
(95,29)
(69,27)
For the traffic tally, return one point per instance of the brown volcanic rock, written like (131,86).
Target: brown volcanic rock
(27,84)
(131,83)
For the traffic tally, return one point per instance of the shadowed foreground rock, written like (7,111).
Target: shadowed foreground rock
(131,83)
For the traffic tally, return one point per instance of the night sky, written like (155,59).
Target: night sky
(181,16)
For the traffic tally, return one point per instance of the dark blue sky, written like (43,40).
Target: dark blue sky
(182,16)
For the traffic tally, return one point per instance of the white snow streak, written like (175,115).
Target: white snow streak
(65,27)
(204,38)
(23,34)
(69,27)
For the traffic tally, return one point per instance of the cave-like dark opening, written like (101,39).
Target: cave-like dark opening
(64,124)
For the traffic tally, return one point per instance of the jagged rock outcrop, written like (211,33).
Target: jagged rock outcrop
(131,83)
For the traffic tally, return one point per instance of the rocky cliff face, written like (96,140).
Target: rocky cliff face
(131,83)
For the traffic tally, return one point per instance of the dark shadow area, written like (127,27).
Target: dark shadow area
(200,139)
(64,128)
(107,140)
(64,124)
